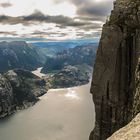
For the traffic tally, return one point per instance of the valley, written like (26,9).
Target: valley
(21,89)
(70,70)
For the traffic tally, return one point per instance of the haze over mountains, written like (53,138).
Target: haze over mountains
(70,62)
(20,88)
(19,54)
(74,56)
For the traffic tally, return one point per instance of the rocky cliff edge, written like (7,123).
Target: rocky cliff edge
(114,85)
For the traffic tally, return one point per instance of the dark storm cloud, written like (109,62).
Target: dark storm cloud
(8,33)
(38,33)
(95,9)
(22,38)
(93,18)
(38,17)
(9,20)
(91,9)
(60,19)
(75,2)
(97,34)
(45,33)
(50,34)
(92,26)
(5,4)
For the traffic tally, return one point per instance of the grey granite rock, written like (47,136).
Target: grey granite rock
(113,84)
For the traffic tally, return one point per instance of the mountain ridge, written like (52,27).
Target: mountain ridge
(18,54)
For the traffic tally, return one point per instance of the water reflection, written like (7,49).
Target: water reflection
(62,114)
(71,94)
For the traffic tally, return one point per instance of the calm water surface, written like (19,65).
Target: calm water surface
(61,114)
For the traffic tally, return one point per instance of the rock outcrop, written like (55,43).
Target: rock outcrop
(74,56)
(70,76)
(114,85)
(129,132)
(19,89)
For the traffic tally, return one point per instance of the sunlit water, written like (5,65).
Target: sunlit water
(38,73)
(61,114)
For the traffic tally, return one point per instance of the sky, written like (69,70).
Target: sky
(53,19)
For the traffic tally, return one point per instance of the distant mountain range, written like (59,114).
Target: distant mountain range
(79,55)
(53,47)
(19,88)
(18,54)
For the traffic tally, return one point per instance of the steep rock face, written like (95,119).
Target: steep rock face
(136,104)
(131,131)
(113,85)
(19,89)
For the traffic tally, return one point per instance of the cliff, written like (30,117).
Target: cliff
(131,131)
(114,85)
(19,89)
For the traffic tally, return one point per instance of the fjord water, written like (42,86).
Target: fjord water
(61,114)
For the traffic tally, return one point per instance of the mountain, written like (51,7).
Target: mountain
(51,48)
(115,84)
(74,56)
(19,89)
(70,76)
(19,54)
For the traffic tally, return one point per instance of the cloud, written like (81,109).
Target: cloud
(92,9)
(5,5)
(87,22)
(13,33)
(95,9)
(47,33)
(89,35)
(32,39)
(38,17)
(63,26)
(93,27)
(93,18)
